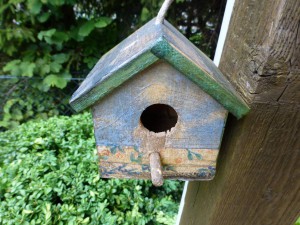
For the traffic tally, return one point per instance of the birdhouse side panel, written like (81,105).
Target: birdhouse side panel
(188,150)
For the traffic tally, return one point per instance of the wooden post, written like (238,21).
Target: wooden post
(258,177)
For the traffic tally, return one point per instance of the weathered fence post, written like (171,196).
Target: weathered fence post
(258,178)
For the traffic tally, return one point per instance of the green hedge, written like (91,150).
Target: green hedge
(49,175)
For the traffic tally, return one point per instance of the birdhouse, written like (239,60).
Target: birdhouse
(159,107)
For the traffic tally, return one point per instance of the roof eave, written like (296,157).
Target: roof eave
(162,49)
(107,85)
(229,100)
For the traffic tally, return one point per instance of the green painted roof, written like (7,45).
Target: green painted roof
(151,43)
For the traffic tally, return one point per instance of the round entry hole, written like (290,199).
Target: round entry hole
(159,118)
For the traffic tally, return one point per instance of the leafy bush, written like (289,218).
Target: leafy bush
(49,175)
(44,44)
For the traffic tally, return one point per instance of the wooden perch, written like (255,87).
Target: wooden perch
(156,169)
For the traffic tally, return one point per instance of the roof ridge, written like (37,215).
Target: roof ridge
(142,49)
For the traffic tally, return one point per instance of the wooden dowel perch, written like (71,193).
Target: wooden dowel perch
(156,169)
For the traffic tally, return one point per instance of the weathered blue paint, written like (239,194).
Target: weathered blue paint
(158,65)
(201,119)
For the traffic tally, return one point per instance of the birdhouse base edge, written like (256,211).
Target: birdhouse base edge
(132,163)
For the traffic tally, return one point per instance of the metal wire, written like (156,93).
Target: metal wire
(162,12)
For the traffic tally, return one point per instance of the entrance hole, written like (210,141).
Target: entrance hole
(159,118)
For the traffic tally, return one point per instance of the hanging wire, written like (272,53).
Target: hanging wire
(162,12)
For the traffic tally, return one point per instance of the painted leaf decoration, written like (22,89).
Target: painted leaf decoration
(121,149)
(132,159)
(198,156)
(190,156)
(146,168)
(136,160)
(169,168)
(113,150)
(135,148)
(104,157)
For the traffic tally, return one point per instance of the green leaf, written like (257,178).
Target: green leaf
(54,80)
(27,68)
(53,36)
(17,114)
(19,68)
(74,34)
(34,6)
(145,14)
(9,104)
(53,179)
(86,220)
(3,8)
(90,61)
(61,58)
(60,37)
(57,2)
(55,67)
(25,211)
(43,17)
(47,33)
(43,67)
(13,67)
(86,28)
(102,22)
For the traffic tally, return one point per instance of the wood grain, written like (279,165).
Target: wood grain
(258,172)
(200,118)
(188,151)
(156,169)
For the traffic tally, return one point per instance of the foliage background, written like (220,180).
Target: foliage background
(48,170)
(44,44)
(49,175)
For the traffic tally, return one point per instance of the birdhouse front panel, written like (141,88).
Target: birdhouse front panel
(159,107)
(158,110)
